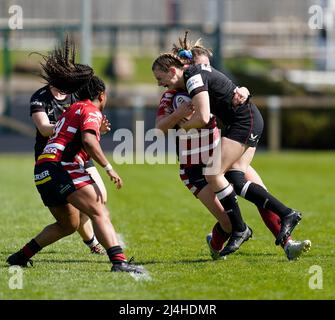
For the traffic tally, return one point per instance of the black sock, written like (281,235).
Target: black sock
(116,255)
(263,199)
(30,249)
(88,242)
(219,229)
(228,199)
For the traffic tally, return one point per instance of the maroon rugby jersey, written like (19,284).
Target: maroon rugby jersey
(197,145)
(66,144)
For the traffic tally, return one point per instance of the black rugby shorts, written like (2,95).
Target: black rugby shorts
(53,183)
(246,126)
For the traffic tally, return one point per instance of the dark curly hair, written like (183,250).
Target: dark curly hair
(61,71)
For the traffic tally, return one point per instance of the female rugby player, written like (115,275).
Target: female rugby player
(212,93)
(66,188)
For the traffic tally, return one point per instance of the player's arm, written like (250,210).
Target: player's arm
(43,124)
(93,148)
(167,118)
(166,122)
(202,113)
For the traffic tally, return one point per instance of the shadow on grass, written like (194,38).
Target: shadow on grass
(41,252)
(156,262)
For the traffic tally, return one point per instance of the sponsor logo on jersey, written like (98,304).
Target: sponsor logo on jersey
(36,103)
(194,82)
(206,67)
(50,150)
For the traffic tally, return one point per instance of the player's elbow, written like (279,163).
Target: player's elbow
(203,119)
(44,133)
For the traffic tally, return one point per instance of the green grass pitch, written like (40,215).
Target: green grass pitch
(164,228)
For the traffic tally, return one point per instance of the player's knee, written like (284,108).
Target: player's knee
(237,179)
(69,227)
(211,178)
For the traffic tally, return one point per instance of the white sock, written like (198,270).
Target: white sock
(92,243)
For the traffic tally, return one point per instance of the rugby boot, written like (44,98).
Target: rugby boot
(125,266)
(288,223)
(19,259)
(294,249)
(98,249)
(214,253)
(236,240)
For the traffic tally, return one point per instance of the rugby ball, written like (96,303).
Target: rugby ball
(179,98)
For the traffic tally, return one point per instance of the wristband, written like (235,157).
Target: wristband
(108,167)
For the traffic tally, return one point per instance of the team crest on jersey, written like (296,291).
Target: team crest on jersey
(194,82)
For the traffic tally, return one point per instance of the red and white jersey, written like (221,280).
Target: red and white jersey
(197,145)
(66,146)
(165,105)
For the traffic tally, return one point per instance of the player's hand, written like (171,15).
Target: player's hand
(115,178)
(241,95)
(185,110)
(105,125)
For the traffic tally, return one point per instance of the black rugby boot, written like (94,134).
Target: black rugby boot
(236,240)
(288,223)
(19,259)
(126,267)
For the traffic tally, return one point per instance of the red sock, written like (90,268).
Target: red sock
(219,237)
(119,257)
(116,254)
(272,221)
(31,248)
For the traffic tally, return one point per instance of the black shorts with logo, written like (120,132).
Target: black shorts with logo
(246,126)
(53,183)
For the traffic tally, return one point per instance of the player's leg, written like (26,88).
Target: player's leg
(260,196)
(86,200)
(231,151)
(67,222)
(271,220)
(85,229)
(194,180)
(293,249)
(222,229)
(86,232)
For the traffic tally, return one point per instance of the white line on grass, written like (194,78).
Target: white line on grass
(137,276)
(141,276)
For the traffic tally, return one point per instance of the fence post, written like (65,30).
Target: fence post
(274,123)
(6,76)
(138,103)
